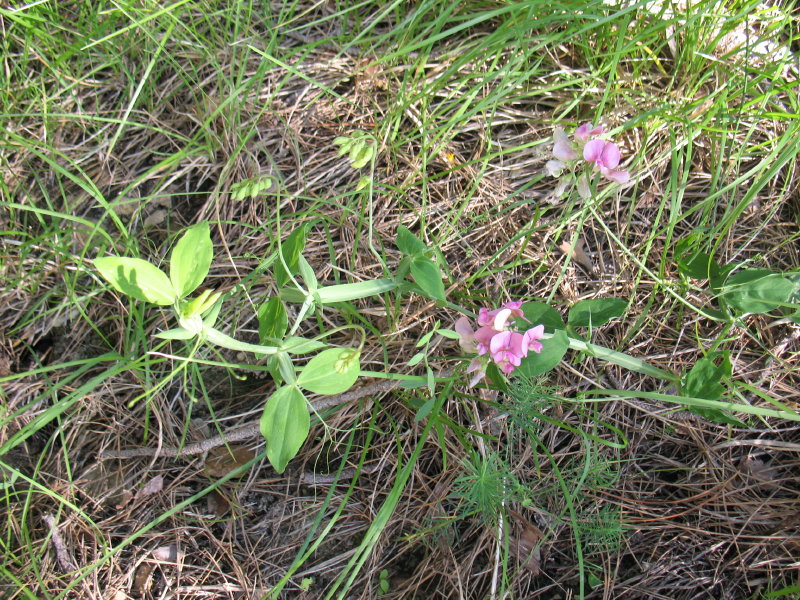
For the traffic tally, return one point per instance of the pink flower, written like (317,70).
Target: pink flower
(466,336)
(483,337)
(562,149)
(497,340)
(530,337)
(488,317)
(508,350)
(586,132)
(605,155)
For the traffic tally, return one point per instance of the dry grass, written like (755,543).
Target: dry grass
(704,510)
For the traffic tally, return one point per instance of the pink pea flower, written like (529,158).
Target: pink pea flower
(466,336)
(483,338)
(605,155)
(587,132)
(562,149)
(477,366)
(530,338)
(508,348)
(488,317)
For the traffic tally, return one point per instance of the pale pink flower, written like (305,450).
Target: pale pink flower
(562,149)
(605,155)
(587,132)
(466,336)
(483,337)
(478,367)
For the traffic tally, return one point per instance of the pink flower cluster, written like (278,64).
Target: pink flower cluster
(496,340)
(602,154)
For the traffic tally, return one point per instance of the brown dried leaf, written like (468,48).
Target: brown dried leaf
(526,545)
(579,254)
(142,580)
(222,460)
(155,485)
(217,503)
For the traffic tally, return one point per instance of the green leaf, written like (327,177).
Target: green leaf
(428,277)
(425,410)
(694,263)
(137,278)
(332,371)
(553,350)
(449,334)
(273,321)
(345,292)
(191,259)
(290,250)
(307,273)
(175,334)
(540,313)
(408,243)
(705,381)
(596,312)
(285,424)
(299,345)
(416,359)
(757,291)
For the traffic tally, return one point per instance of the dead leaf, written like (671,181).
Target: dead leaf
(217,503)
(578,254)
(222,460)
(155,485)
(527,543)
(166,553)
(125,497)
(759,472)
(142,580)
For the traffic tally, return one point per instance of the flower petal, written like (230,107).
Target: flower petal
(562,148)
(554,167)
(610,157)
(593,151)
(586,132)
(616,175)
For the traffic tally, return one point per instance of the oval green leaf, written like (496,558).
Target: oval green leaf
(191,259)
(332,371)
(273,321)
(757,291)
(285,424)
(596,312)
(428,277)
(137,278)
(553,350)
(540,313)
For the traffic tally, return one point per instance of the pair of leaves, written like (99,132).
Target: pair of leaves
(188,266)
(748,291)
(424,270)
(285,422)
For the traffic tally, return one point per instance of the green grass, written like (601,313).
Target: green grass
(113,113)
